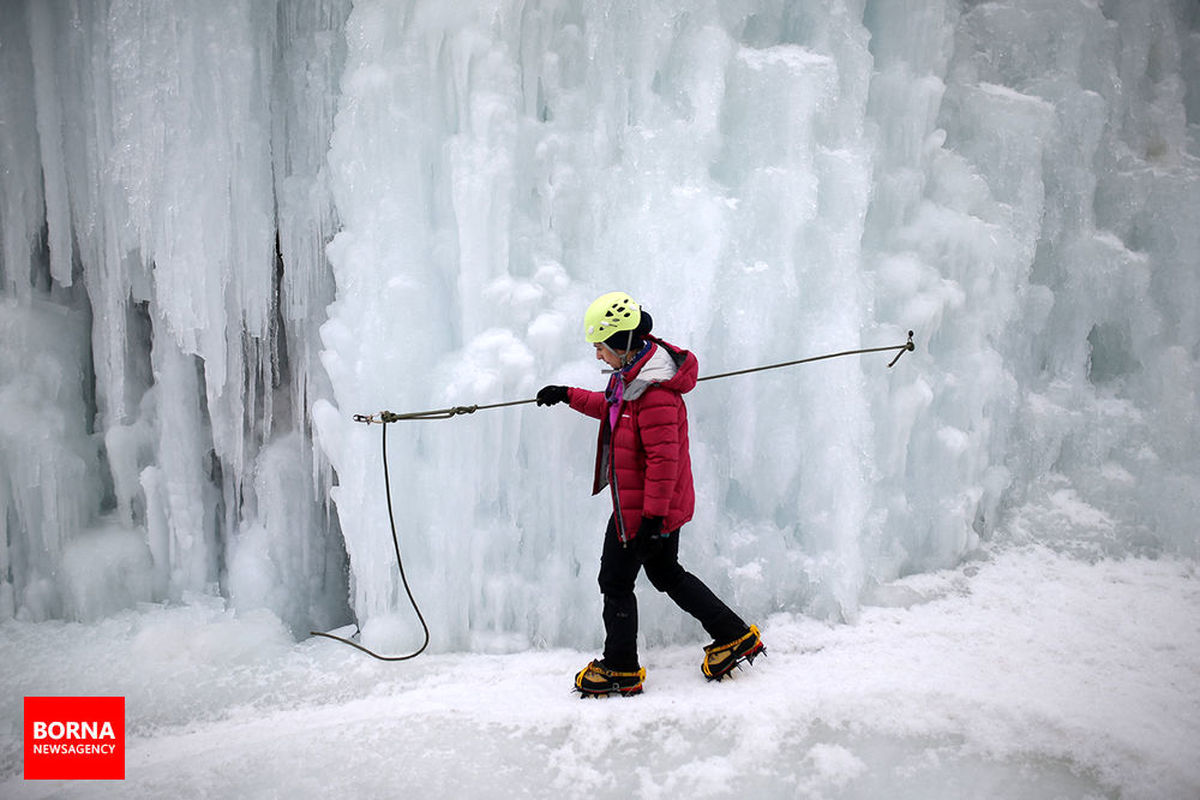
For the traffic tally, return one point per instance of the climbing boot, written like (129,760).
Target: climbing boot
(597,680)
(720,659)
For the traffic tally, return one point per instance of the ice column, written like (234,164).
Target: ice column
(178,156)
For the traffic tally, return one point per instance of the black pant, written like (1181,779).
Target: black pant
(619,566)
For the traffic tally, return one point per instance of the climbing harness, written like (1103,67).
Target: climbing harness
(385,417)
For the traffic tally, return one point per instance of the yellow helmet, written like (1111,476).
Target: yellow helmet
(609,313)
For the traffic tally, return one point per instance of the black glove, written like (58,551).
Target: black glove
(549,395)
(650,538)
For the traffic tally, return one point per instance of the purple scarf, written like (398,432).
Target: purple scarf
(615,395)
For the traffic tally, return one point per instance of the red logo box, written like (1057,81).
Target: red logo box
(74,738)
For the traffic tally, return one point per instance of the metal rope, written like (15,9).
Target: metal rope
(454,411)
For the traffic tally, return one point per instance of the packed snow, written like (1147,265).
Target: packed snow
(1026,674)
(227,226)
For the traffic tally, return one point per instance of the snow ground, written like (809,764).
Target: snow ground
(1029,674)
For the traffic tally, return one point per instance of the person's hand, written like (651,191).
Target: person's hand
(549,395)
(649,539)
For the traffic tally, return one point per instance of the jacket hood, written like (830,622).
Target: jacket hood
(664,365)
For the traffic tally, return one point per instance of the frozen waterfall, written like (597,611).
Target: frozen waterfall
(225,227)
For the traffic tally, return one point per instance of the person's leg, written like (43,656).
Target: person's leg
(691,594)
(619,567)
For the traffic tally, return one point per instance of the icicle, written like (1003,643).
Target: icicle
(21,192)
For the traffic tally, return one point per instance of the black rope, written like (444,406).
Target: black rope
(403,578)
(384,417)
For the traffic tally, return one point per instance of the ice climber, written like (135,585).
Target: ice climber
(642,456)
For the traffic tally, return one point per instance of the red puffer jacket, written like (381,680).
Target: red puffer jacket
(642,452)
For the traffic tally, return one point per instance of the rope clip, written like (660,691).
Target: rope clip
(908,347)
(384,417)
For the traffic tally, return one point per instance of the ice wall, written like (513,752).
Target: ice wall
(1016,181)
(165,192)
(771,180)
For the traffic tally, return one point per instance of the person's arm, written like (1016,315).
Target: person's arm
(591,403)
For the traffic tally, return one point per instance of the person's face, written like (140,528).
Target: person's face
(608,356)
